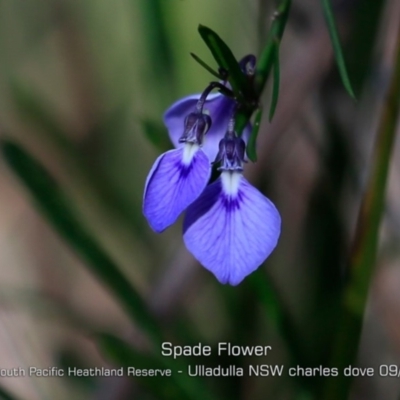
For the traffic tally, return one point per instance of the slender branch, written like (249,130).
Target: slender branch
(363,254)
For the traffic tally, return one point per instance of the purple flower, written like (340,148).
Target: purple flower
(231,228)
(220,109)
(178,176)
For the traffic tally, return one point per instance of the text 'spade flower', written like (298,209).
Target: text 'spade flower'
(229,227)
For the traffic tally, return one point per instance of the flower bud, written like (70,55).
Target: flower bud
(231,153)
(247,64)
(196,126)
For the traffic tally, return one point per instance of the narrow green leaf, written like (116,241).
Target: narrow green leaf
(275,88)
(365,244)
(206,66)
(264,66)
(157,134)
(251,148)
(177,386)
(330,20)
(266,59)
(225,59)
(57,208)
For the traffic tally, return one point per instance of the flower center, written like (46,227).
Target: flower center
(231,182)
(189,150)
(195,127)
(231,153)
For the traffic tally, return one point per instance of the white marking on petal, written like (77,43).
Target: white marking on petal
(231,182)
(189,150)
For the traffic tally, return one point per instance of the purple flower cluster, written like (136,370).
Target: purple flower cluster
(229,226)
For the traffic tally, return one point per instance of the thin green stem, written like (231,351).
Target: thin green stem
(363,254)
(266,60)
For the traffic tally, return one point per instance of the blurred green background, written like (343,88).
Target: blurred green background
(83,86)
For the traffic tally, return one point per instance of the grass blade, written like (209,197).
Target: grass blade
(275,88)
(330,20)
(363,252)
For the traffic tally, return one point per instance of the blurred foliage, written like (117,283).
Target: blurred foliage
(4,395)
(59,211)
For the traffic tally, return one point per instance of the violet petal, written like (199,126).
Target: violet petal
(176,179)
(220,109)
(231,228)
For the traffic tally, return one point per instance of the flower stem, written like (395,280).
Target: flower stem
(363,252)
(213,85)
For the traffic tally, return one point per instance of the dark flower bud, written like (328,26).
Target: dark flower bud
(196,125)
(247,64)
(231,153)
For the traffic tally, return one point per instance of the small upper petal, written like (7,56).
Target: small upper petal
(220,109)
(176,179)
(231,228)
(174,117)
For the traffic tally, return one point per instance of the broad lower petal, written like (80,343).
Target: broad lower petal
(231,228)
(176,179)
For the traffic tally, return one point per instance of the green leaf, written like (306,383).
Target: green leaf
(330,20)
(206,66)
(275,88)
(57,208)
(157,134)
(177,386)
(225,59)
(267,57)
(251,148)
